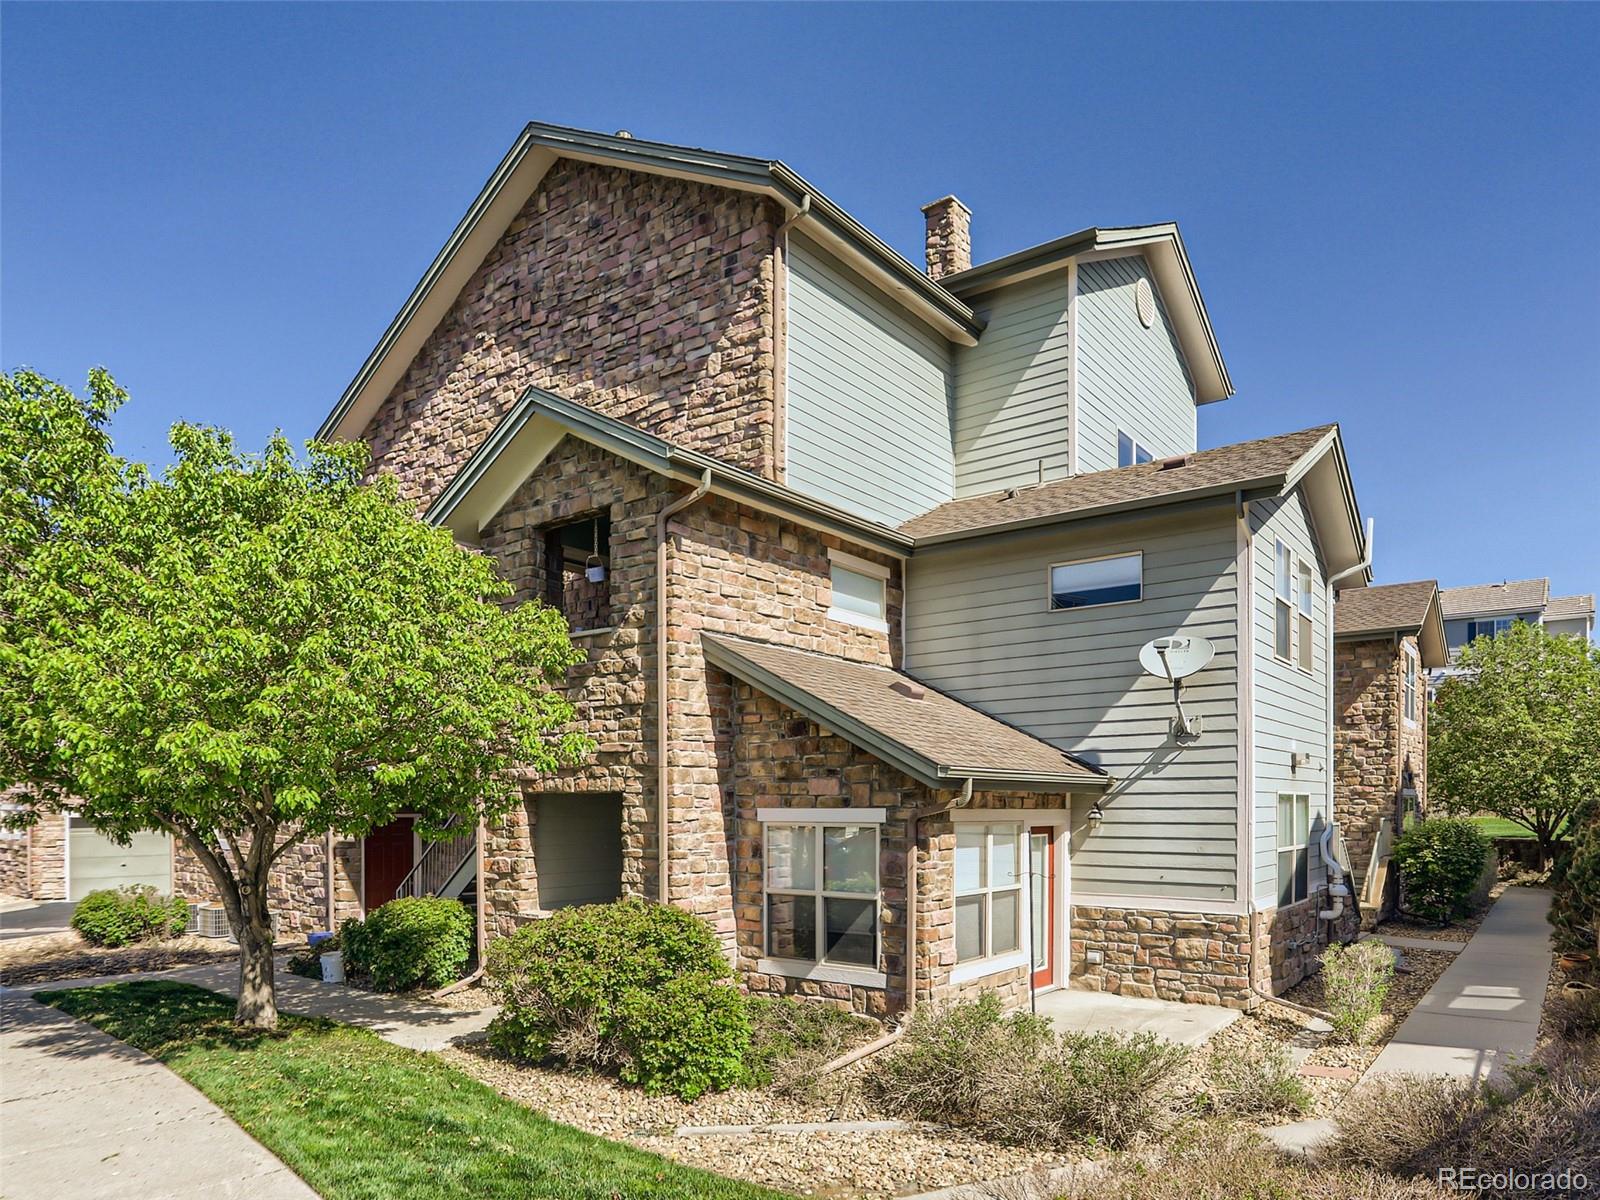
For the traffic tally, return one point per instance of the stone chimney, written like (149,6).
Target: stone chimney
(949,246)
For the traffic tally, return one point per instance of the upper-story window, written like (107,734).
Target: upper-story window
(1130,451)
(1488,627)
(1115,580)
(1410,686)
(1283,604)
(860,591)
(578,571)
(1306,641)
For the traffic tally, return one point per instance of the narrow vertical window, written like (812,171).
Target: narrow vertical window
(1307,646)
(1294,855)
(1282,608)
(1411,686)
(989,879)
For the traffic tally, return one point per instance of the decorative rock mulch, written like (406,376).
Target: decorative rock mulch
(1457,931)
(833,1164)
(67,956)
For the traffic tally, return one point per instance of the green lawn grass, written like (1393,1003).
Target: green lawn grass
(360,1119)
(1500,827)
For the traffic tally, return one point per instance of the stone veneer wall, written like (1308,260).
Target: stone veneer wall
(1373,742)
(731,570)
(14,879)
(782,759)
(298,884)
(33,861)
(647,298)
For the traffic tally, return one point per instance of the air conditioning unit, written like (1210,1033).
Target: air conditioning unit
(209,921)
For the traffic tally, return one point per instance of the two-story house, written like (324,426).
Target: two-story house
(1483,610)
(863,557)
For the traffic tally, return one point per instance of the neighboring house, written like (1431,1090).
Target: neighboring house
(862,587)
(63,858)
(1484,610)
(1385,640)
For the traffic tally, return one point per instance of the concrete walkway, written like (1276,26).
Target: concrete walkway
(403,1022)
(86,1117)
(1095,1012)
(1482,1014)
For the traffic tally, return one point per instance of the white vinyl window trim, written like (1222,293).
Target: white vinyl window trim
(996,892)
(1305,622)
(1283,602)
(1410,708)
(1131,452)
(860,591)
(809,827)
(1098,582)
(1294,847)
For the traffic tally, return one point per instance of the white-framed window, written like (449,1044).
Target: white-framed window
(989,891)
(1116,579)
(1409,685)
(1283,603)
(1131,451)
(1307,647)
(860,591)
(822,894)
(1489,627)
(1294,847)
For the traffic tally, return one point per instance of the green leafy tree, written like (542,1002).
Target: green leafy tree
(252,650)
(1576,881)
(1518,735)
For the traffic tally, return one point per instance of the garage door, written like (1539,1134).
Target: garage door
(94,861)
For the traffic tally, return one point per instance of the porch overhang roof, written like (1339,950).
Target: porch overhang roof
(930,736)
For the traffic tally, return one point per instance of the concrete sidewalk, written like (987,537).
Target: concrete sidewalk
(403,1022)
(86,1117)
(1482,1014)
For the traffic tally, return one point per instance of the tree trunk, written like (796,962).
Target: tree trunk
(258,1001)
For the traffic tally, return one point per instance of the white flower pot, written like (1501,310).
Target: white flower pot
(333,967)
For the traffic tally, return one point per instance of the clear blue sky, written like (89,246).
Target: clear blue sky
(1392,210)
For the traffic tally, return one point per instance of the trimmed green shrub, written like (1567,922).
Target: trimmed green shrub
(1355,982)
(566,983)
(1440,861)
(1254,1080)
(415,941)
(126,915)
(1010,1079)
(688,1036)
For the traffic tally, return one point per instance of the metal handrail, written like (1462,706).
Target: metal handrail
(438,864)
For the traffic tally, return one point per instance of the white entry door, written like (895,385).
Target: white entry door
(94,861)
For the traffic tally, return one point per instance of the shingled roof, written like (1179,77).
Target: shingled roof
(1394,608)
(1262,463)
(1569,608)
(1514,595)
(932,737)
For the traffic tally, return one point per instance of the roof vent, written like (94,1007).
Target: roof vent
(1173,463)
(623,133)
(907,689)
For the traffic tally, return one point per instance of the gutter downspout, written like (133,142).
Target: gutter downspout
(1360,566)
(677,506)
(327,854)
(894,1035)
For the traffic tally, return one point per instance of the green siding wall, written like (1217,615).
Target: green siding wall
(1011,390)
(1290,704)
(979,626)
(1129,377)
(869,391)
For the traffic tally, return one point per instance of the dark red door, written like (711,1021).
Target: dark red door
(390,851)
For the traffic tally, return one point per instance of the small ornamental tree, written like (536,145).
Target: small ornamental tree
(1518,735)
(251,651)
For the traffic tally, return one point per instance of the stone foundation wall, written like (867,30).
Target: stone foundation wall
(47,858)
(1200,958)
(647,298)
(298,885)
(1290,940)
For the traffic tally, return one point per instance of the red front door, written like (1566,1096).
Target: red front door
(390,855)
(1042,862)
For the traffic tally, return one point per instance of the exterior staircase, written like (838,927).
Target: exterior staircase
(447,867)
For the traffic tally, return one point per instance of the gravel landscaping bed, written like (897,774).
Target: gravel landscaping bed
(68,956)
(877,1165)
(1460,930)
(1275,1023)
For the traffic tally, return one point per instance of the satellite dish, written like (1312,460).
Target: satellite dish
(1175,658)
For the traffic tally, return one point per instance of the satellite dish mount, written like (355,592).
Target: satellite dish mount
(1175,659)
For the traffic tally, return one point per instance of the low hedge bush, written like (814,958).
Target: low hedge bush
(1254,1081)
(123,916)
(609,985)
(1355,983)
(415,941)
(790,1040)
(1440,862)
